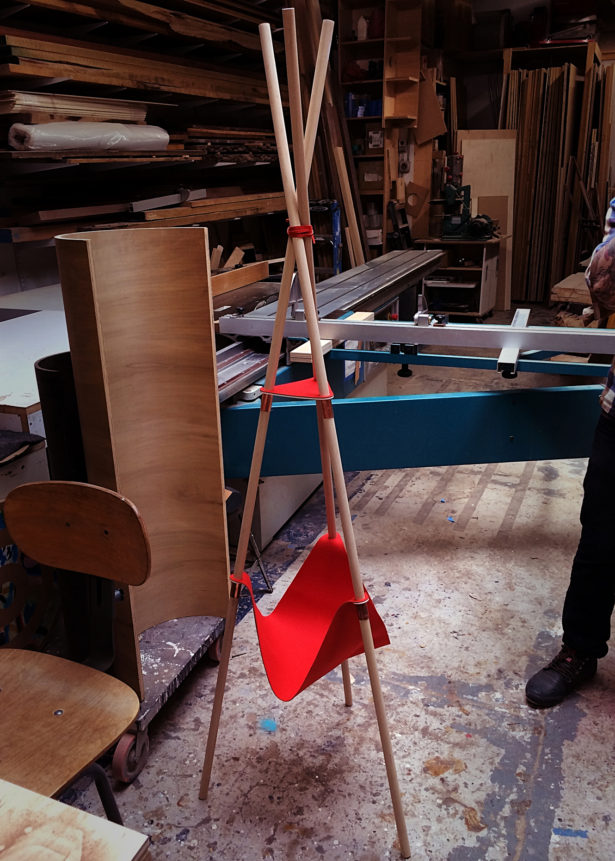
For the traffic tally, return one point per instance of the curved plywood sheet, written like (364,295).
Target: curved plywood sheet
(139,319)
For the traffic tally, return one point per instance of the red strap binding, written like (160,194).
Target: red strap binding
(303,231)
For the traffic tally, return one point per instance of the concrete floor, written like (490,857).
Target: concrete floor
(468,566)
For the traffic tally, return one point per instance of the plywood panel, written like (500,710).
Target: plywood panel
(489,169)
(139,318)
(34,826)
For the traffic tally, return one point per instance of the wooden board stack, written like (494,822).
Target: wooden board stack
(45,224)
(49,56)
(563,115)
(51,105)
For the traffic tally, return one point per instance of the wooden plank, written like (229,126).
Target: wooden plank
(607,140)
(303,353)
(571,290)
(239,11)
(16,101)
(224,132)
(235,257)
(224,282)
(264,202)
(489,169)
(139,317)
(430,123)
(42,54)
(353,227)
(167,199)
(175,80)
(157,19)
(216,256)
(194,216)
(73,212)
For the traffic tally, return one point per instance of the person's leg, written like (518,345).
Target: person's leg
(591,594)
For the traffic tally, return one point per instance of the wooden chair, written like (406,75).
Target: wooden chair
(58,716)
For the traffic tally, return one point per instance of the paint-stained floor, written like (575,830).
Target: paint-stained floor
(468,566)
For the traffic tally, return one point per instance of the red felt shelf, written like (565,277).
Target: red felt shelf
(305,389)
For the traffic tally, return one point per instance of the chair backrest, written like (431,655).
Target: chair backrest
(79,527)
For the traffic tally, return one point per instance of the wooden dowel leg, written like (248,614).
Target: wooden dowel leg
(347,683)
(385,738)
(214,723)
(296,123)
(327,478)
(333,474)
(366,633)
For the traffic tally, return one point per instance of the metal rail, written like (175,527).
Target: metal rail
(482,335)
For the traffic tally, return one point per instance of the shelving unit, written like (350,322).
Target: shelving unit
(402,61)
(466,283)
(379,68)
(169,69)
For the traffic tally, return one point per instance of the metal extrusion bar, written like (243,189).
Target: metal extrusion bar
(554,339)
(509,356)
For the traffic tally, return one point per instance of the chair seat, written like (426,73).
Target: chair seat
(56,718)
(314,626)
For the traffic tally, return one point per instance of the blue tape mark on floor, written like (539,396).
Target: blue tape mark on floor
(570,832)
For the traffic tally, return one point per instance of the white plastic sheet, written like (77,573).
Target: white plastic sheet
(72,135)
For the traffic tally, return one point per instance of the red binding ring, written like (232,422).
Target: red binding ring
(302,231)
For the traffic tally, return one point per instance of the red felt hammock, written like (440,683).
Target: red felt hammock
(314,626)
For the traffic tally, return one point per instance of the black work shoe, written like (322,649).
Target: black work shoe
(554,682)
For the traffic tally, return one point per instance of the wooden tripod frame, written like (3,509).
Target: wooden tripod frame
(299,253)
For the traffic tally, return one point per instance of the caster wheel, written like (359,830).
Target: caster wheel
(214,652)
(130,756)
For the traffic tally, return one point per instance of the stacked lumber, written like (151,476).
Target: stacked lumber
(218,209)
(32,105)
(45,224)
(227,145)
(157,17)
(201,79)
(563,116)
(572,290)
(544,128)
(50,56)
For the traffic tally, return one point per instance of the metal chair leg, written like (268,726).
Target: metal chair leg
(99,776)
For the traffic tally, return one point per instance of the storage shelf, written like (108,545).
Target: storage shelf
(351,43)
(398,54)
(479,279)
(362,83)
(403,79)
(401,40)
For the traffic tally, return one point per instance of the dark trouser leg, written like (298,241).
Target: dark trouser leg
(591,593)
